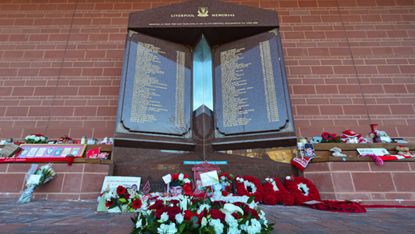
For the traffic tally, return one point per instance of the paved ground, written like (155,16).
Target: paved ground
(80,217)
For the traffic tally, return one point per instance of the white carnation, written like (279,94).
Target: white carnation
(203,222)
(179,218)
(167,229)
(234,230)
(164,217)
(217,225)
(202,207)
(181,176)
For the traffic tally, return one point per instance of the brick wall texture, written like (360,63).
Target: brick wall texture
(390,184)
(349,63)
(76,182)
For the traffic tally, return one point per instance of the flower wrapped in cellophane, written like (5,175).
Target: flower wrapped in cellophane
(35,177)
(122,199)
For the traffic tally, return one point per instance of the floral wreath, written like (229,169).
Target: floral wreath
(275,193)
(181,180)
(226,180)
(249,186)
(301,189)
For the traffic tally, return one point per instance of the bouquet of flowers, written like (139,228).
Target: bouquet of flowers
(226,180)
(36,139)
(184,214)
(122,200)
(36,177)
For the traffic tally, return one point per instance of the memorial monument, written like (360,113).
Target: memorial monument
(203,80)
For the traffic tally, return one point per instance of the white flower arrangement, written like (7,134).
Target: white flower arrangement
(36,139)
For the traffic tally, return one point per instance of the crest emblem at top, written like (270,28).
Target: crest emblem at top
(202,12)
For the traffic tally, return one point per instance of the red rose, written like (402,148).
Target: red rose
(109,203)
(217,214)
(136,204)
(225,193)
(174,177)
(121,190)
(126,196)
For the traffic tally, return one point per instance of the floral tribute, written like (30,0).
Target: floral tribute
(122,200)
(301,189)
(275,193)
(330,138)
(185,214)
(42,175)
(36,139)
(249,186)
(226,180)
(180,179)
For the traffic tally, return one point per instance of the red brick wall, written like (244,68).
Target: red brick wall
(390,184)
(349,63)
(76,182)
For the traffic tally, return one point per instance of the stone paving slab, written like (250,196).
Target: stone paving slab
(81,217)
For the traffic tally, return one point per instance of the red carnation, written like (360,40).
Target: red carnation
(269,199)
(121,190)
(172,212)
(217,214)
(188,215)
(159,212)
(157,205)
(136,204)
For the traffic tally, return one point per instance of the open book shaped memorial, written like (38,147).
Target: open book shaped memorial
(248,106)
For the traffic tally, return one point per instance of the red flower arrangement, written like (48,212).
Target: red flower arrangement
(126,200)
(338,206)
(275,193)
(182,180)
(330,138)
(249,186)
(301,189)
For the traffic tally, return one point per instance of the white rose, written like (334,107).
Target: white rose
(181,176)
